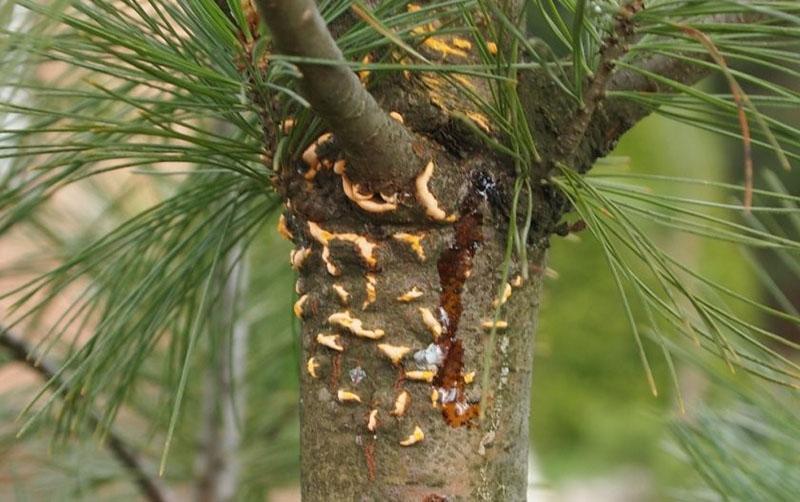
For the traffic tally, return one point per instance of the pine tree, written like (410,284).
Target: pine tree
(420,157)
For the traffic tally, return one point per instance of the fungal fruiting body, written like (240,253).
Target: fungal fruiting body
(363,75)
(430,322)
(397,117)
(469,377)
(395,353)
(339,166)
(329,265)
(298,306)
(372,421)
(354,326)
(413,240)
(331,341)
(365,247)
(480,120)
(283,230)
(410,295)
(366,201)
(414,438)
(517,281)
(311,366)
(427,199)
(371,281)
(344,296)
(311,158)
(489,324)
(298,256)
(462,43)
(504,296)
(287,125)
(345,396)
(434,398)
(420,375)
(401,403)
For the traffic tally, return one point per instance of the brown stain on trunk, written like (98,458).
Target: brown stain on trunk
(454,266)
(369,458)
(336,370)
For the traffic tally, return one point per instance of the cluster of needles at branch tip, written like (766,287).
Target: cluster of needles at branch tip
(454,266)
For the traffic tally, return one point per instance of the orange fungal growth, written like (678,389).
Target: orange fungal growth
(434,398)
(287,125)
(401,403)
(333,342)
(372,420)
(480,120)
(283,230)
(443,47)
(414,241)
(345,396)
(363,75)
(298,306)
(395,353)
(354,326)
(312,366)
(462,43)
(311,158)
(372,294)
(342,294)
(420,375)
(366,201)
(489,324)
(430,322)
(426,198)
(297,257)
(364,246)
(414,438)
(410,295)
(504,296)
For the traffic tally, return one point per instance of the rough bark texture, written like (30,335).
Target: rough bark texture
(340,245)
(460,457)
(347,379)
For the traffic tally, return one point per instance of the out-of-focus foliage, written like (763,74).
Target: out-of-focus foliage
(592,410)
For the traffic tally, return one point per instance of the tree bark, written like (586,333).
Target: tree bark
(460,457)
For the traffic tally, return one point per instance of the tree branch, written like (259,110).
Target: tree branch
(378,147)
(616,116)
(151,488)
(614,47)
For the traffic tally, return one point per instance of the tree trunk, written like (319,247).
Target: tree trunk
(347,378)
(400,221)
(400,260)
